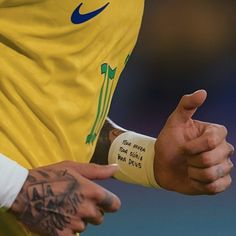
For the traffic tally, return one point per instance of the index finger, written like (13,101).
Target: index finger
(212,136)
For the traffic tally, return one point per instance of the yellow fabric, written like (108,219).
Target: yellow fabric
(50,74)
(53,73)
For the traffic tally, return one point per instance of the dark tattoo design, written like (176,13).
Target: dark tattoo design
(44,174)
(107,202)
(31,179)
(107,135)
(52,204)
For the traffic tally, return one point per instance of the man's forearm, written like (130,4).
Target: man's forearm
(107,135)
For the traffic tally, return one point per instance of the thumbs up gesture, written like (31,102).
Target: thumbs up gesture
(192,157)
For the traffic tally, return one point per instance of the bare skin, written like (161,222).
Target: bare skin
(191,157)
(61,199)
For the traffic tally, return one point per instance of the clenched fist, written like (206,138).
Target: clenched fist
(192,157)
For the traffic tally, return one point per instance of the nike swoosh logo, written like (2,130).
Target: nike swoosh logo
(78,18)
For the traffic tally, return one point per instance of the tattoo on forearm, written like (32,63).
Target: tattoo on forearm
(107,135)
(51,205)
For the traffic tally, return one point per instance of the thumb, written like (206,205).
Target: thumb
(188,106)
(94,171)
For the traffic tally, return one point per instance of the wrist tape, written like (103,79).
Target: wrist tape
(134,153)
(12,178)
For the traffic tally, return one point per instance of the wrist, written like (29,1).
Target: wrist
(21,200)
(108,134)
(134,153)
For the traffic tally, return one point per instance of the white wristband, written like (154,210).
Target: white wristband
(13,177)
(134,153)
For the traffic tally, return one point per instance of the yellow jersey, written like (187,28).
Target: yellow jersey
(60,62)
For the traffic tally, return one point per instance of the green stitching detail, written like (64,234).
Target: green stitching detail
(103,102)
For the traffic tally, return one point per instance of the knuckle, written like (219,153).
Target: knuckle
(206,160)
(93,215)
(81,227)
(224,129)
(98,193)
(212,188)
(197,186)
(231,149)
(211,141)
(209,175)
(231,165)
(218,127)
(98,220)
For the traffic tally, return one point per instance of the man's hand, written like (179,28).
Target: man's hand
(59,200)
(192,157)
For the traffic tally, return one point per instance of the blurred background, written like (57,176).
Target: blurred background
(184,45)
